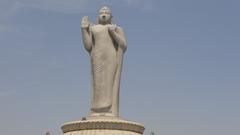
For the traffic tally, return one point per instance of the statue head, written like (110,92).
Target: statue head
(105,16)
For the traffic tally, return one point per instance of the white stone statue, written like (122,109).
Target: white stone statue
(106,44)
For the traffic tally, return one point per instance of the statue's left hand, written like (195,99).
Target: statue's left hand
(112,28)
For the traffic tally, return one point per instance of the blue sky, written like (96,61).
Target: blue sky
(181,72)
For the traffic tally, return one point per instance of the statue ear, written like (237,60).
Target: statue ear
(111,20)
(97,20)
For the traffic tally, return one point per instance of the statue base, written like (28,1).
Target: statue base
(102,126)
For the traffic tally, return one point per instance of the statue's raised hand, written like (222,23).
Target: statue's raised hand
(85,22)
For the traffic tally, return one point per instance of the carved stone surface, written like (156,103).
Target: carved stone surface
(103,126)
(106,44)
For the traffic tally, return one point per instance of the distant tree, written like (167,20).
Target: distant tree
(48,133)
(151,133)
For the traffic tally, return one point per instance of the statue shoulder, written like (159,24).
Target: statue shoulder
(95,26)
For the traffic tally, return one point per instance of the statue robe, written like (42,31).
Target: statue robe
(106,64)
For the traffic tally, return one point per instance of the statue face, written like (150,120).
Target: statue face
(105,15)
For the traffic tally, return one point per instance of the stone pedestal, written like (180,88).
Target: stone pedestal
(102,126)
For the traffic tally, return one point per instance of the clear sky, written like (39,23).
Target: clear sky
(181,72)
